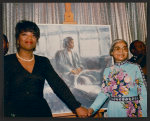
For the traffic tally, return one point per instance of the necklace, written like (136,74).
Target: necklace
(25,59)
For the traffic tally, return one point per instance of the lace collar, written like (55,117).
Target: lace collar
(120,63)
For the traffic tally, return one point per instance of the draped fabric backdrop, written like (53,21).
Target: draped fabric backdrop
(128,20)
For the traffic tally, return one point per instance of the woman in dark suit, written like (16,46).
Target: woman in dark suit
(24,76)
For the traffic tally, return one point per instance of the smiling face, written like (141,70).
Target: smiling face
(120,51)
(27,41)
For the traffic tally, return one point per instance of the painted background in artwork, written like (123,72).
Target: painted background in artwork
(92,44)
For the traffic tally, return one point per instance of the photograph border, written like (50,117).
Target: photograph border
(1,56)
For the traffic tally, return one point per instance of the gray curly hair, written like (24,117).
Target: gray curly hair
(113,44)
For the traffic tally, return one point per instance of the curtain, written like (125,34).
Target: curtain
(128,20)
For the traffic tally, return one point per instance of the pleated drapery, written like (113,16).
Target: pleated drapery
(128,20)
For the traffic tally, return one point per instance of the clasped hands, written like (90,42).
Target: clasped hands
(76,71)
(83,112)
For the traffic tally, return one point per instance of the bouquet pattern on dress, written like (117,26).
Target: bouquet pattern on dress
(117,83)
(133,108)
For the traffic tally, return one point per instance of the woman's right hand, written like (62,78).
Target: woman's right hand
(74,71)
(90,111)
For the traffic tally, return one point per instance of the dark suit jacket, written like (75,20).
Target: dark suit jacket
(23,91)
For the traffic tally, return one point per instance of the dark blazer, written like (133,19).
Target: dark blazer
(23,91)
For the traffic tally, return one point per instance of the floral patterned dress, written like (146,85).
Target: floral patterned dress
(124,84)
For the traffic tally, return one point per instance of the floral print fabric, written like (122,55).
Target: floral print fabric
(123,81)
(133,108)
(117,83)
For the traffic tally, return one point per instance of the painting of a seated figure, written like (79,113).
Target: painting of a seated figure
(79,54)
(69,65)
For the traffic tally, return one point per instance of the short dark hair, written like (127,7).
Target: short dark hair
(66,41)
(132,46)
(5,38)
(26,26)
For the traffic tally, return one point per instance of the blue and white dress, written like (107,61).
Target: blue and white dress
(124,84)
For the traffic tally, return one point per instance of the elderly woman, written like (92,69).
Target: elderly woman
(25,74)
(124,84)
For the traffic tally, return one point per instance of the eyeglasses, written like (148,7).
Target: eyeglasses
(118,49)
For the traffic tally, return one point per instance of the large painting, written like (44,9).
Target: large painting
(89,54)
